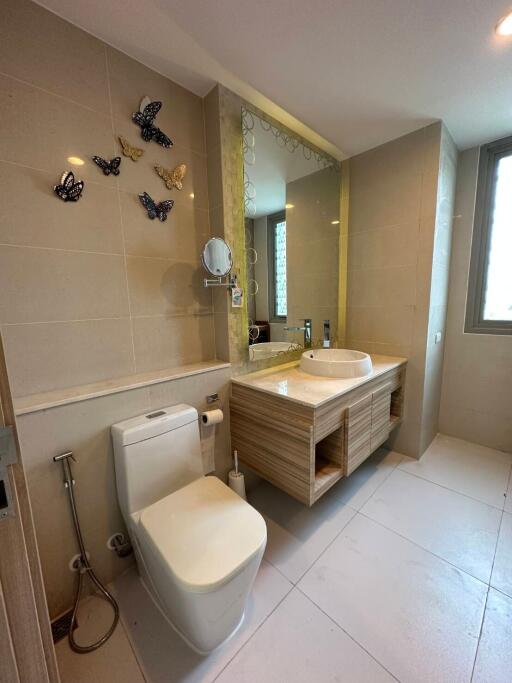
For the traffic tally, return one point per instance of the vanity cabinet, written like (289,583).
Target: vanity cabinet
(305,447)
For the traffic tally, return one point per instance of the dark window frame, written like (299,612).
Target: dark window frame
(272,221)
(475,323)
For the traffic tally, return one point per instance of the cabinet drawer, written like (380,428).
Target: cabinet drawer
(381,412)
(358,422)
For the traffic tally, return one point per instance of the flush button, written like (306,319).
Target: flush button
(158,413)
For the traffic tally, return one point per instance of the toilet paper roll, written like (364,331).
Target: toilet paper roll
(237,483)
(212,417)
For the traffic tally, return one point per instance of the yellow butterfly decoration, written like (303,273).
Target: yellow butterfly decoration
(172,178)
(133,152)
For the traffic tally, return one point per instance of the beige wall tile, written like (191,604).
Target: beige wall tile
(182,236)
(382,286)
(164,287)
(392,325)
(42,357)
(181,116)
(46,51)
(167,342)
(85,428)
(41,130)
(477,376)
(40,285)
(383,247)
(92,224)
(212,119)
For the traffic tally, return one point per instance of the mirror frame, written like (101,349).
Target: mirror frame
(203,260)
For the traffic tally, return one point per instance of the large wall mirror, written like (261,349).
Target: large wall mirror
(292,224)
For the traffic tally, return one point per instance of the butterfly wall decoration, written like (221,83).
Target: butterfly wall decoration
(108,167)
(155,210)
(172,178)
(68,189)
(129,151)
(145,118)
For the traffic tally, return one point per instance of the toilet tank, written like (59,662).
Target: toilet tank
(155,454)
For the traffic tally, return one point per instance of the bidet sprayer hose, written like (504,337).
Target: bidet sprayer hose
(85,566)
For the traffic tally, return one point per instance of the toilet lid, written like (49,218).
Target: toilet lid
(203,532)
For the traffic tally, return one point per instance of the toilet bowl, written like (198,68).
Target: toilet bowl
(197,544)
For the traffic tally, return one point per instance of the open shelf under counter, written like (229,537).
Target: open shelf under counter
(304,433)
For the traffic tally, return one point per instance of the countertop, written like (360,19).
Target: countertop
(290,381)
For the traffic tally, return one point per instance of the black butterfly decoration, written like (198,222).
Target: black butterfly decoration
(69,190)
(108,167)
(146,120)
(155,210)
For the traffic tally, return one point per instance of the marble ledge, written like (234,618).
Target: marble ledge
(60,397)
(291,382)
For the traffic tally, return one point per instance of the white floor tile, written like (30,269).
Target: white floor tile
(502,570)
(459,529)
(162,654)
(419,616)
(494,658)
(300,643)
(468,468)
(114,662)
(297,535)
(356,489)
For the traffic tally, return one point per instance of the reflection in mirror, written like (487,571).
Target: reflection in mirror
(292,226)
(217,257)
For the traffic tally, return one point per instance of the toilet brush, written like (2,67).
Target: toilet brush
(236,479)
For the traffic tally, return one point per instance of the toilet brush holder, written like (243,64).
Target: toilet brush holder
(237,483)
(236,479)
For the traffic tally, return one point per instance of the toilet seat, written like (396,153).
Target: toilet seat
(203,534)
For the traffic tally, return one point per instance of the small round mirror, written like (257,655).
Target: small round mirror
(217,257)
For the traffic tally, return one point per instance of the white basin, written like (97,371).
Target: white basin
(340,363)
(268,349)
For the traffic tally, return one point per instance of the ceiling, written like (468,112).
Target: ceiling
(349,75)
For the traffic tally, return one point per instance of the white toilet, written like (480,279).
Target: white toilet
(198,545)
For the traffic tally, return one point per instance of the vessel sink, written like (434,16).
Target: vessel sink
(268,349)
(341,363)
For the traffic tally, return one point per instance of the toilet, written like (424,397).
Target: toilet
(197,544)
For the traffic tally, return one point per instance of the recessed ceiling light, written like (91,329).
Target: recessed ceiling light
(76,161)
(289,206)
(504,25)
(191,195)
(335,222)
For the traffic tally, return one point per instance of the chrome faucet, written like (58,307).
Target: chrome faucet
(327,334)
(306,329)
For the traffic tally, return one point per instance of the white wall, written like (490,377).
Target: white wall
(476,402)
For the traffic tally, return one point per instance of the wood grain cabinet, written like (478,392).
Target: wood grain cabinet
(305,449)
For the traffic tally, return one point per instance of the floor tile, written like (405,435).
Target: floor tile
(502,570)
(419,616)
(508,498)
(163,655)
(459,529)
(114,662)
(468,468)
(356,489)
(299,643)
(296,534)
(494,658)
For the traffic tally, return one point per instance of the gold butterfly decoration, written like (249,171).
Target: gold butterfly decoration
(172,178)
(133,152)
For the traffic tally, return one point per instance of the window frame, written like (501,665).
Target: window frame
(272,221)
(490,155)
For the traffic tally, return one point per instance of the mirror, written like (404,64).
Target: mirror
(217,258)
(292,226)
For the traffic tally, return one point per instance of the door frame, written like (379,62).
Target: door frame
(27,653)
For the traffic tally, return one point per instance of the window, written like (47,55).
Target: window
(277,266)
(489,303)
